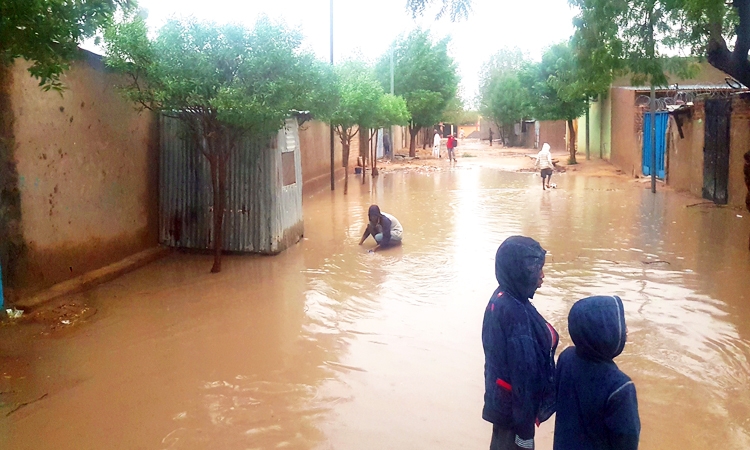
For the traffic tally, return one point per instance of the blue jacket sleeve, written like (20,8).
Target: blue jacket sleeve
(621,418)
(523,378)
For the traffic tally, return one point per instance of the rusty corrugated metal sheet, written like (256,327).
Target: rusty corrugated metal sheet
(261,216)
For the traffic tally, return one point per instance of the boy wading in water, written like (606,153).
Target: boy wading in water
(384,228)
(544,162)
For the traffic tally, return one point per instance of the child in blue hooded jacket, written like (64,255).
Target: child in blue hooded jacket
(519,348)
(597,407)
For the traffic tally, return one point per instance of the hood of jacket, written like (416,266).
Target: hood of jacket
(597,327)
(518,264)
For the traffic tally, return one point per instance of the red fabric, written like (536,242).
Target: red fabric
(504,384)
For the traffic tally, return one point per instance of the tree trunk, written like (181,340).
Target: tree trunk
(413,131)
(345,143)
(374,152)
(735,63)
(571,143)
(364,149)
(12,245)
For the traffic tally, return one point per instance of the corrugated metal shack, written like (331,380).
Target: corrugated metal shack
(264,199)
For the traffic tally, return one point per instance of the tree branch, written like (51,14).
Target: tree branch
(734,63)
(742,46)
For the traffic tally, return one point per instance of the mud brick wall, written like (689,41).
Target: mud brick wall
(87,166)
(315,148)
(685,155)
(739,144)
(626,151)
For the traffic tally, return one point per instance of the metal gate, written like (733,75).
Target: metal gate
(662,118)
(716,150)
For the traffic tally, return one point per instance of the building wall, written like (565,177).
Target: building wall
(606,127)
(87,163)
(553,132)
(315,147)
(739,144)
(626,151)
(685,155)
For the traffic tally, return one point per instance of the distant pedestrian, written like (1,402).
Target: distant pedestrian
(436,144)
(383,227)
(451,146)
(461,134)
(490,136)
(387,145)
(597,407)
(544,162)
(747,179)
(519,348)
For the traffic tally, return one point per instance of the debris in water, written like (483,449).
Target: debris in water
(21,405)
(14,313)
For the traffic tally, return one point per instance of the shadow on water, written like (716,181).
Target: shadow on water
(329,346)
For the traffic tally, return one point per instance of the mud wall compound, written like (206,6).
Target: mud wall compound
(87,165)
(315,147)
(739,144)
(685,155)
(80,174)
(626,150)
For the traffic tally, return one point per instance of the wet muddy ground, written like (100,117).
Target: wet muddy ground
(327,346)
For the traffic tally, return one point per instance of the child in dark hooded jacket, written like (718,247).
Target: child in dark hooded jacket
(519,347)
(597,407)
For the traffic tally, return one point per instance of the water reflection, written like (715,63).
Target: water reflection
(328,346)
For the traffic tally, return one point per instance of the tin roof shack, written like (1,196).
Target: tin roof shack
(264,194)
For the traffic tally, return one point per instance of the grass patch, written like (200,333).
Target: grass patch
(468,155)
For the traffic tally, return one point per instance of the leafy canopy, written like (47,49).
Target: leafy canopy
(425,75)
(249,80)
(639,36)
(359,98)
(502,97)
(557,89)
(455,9)
(47,32)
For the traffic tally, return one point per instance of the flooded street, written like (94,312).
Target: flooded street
(327,346)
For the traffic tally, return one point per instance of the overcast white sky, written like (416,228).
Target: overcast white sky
(368,26)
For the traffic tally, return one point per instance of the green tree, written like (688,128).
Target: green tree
(557,90)
(505,101)
(455,9)
(357,107)
(425,76)
(391,111)
(225,83)
(502,97)
(47,32)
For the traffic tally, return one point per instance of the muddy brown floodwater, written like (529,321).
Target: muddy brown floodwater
(327,346)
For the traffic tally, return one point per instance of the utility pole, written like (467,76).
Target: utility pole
(393,92)
(333,160)
(653,137)
(588,152)
(653,104)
